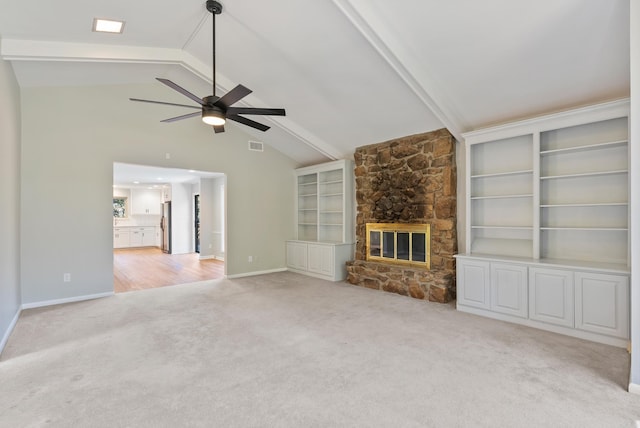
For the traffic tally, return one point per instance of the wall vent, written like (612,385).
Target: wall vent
(256,146)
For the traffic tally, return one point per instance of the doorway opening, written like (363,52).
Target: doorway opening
(153,247)
(196,222)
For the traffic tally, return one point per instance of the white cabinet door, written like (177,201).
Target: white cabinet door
(473,284)
(135,238)
(146,201)
(320,259)
(602,303)
(297,255)
(148,236)
(120,238)
(509,289)
(551,296)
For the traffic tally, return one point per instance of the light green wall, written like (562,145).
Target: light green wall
(72,136)
(10,196)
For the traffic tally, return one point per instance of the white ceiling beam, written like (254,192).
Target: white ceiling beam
(31,50)
(404,65)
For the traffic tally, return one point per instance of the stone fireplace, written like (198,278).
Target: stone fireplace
(408,181)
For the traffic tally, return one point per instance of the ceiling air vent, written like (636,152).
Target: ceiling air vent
(256,146)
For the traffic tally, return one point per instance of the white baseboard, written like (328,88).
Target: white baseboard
(634,388)
(260,272)
(580,334)
(7,333)
(211,257)
(67,300)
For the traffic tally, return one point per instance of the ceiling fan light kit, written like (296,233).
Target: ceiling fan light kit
(215,111)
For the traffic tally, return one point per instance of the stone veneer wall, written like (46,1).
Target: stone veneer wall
(408,180)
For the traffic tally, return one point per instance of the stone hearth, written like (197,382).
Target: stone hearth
(408,180)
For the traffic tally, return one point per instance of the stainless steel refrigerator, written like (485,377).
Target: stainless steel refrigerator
(165,225)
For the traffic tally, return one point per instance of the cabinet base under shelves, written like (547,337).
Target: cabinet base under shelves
(585,300)
(319,259)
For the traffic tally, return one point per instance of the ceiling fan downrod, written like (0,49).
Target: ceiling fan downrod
(216,9)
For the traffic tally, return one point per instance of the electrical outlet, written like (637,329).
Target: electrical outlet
(67,277)
(210,245)
(250,260)
(167,155)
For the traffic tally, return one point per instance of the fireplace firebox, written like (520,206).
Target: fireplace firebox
(406,244)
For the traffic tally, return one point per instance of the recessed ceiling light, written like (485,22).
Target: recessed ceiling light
(136,182)
(107,26)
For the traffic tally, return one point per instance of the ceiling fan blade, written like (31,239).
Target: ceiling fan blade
(184,116)
(233,96)
(260,111)
(180,89)
(163,103)
(248,122)
(218,129)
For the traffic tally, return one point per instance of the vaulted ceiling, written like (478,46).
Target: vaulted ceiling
(348,72)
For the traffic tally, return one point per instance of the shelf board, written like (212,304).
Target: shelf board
(331,212)
(527,195)
(599,204)
(595,229)
(308,184)
(331,224)
(503,227)
(599,146)
(585,174)
(331,182)
(307,209)
(309,195)
(307,224)
(331,194)
(501,174)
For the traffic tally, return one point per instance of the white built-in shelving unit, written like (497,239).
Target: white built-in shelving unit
(550,195)
(324,220)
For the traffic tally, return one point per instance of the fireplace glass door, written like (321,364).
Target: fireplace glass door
(398,243)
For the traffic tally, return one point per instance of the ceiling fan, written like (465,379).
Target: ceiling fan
(216,110)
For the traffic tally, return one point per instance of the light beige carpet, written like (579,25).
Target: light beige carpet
(286,350)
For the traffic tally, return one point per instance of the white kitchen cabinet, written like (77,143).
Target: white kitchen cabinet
(473,283)
(135,239)
(509,289)
(321,260)
(166,193)
(146,201)
(121,237)
(551,296)
(601,303)
(143,236)
(148,236)
(587,302)
(135,236)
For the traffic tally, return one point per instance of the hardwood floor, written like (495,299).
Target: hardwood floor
(142,268)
